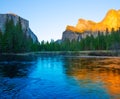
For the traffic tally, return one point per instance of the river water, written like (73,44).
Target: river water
(53,76)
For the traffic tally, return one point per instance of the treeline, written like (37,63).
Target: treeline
(104,41)
(14,40)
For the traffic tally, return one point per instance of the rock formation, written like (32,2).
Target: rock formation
(88,27)
(16,18)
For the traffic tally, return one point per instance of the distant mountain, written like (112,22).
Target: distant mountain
(110,22)
(16,18)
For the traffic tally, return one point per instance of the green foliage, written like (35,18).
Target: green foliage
(107,41)
(14,40)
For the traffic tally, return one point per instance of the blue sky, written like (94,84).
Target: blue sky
(49,18)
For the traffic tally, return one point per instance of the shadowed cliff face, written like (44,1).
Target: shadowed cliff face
(111,20)
(69,35)
(16,18)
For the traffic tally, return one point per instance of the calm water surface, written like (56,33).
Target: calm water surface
(44,76)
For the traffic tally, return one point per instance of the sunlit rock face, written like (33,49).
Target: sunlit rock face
(16,18)
(111,20)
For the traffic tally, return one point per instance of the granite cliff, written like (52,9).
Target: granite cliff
(16,18)
(88,27)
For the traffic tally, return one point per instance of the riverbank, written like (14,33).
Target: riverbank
(78,53)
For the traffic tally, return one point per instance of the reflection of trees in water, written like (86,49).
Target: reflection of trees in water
(15,70)
(16,66)
(102,70)
(18,58)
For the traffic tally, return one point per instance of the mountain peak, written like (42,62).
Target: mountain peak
(13,14)
(111,20)
(112,10)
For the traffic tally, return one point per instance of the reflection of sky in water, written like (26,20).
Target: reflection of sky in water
(58,77)
(48,68)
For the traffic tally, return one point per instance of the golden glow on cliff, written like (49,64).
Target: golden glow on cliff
(111,20)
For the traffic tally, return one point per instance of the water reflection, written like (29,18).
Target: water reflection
(59,76)
(104,70)
(16,66)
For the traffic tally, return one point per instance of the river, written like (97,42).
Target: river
(55,76)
